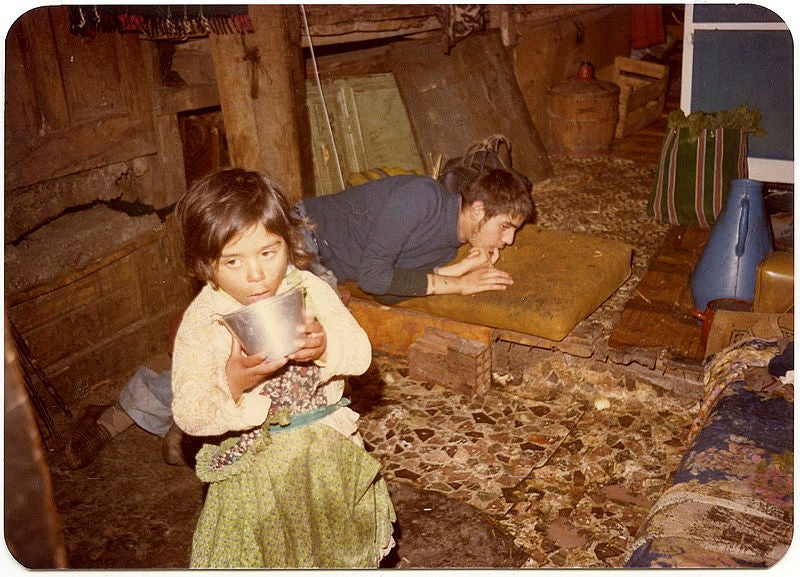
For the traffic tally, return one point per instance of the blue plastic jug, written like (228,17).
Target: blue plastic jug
(739,240)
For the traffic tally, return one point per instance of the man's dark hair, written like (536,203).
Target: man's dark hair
(501,193)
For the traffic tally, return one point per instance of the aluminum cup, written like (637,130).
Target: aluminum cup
(270,326)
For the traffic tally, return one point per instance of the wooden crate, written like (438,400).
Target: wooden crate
(642,92)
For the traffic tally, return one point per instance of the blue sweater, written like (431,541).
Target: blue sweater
(387,234)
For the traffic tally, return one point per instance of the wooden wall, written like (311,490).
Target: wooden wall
(549,43)
(100,321)
(87,120)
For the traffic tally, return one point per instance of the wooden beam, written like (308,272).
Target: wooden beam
(358,22)
(392,330)
(261,82)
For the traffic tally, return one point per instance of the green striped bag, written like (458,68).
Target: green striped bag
(694,175)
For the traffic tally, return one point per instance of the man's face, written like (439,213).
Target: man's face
(494,233)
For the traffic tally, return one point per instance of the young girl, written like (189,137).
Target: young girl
(291,484)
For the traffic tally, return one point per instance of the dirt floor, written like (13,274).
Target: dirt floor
(130,510)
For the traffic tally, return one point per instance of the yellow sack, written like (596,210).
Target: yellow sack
(376,173)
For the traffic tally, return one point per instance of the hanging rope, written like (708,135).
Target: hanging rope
(322,96)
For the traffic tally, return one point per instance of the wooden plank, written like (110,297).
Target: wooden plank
(658,316)
(578,343)
(78,328)
(16,298)
(76,374)
(458,99)
(647,94)
(629,66)
(392,330)
(655,329)
(82,291)
(354,23)
(34,37)
(99,97)
(326,19)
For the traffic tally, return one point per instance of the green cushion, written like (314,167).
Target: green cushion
(560,278)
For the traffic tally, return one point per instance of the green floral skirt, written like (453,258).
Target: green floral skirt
(304,498)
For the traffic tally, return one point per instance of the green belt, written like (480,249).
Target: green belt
(308,417)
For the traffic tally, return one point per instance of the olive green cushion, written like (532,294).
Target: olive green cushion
(560,278)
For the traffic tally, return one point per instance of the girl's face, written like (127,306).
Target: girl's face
(252,265)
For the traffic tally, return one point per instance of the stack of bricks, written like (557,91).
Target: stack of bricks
(460,364)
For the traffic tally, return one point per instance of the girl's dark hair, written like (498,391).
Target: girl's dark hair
(501,193)
(222,205)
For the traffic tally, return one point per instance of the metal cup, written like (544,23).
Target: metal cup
(270,326)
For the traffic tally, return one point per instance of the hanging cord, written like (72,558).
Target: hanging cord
(322,96)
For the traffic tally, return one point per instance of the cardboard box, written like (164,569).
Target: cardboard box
(730,327)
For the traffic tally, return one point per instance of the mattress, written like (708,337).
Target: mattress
(560,278)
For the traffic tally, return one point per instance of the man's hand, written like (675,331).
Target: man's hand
(245,372)
(475,259)
(482,279)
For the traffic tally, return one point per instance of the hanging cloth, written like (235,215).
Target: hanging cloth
(647,26)
(459,21)
(170,22)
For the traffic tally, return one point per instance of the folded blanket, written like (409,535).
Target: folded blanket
(732,499)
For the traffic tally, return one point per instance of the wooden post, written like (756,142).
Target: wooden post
(261,81)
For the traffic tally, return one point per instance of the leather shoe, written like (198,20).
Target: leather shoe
(88,438)
(172,447)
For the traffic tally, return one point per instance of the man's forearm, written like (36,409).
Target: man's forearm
(405,283)
(479,280)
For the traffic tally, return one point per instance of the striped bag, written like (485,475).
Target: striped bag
(694,175)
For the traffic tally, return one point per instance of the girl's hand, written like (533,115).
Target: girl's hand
(245,372)
(314,341)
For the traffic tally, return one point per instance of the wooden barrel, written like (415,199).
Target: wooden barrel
(582,114)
